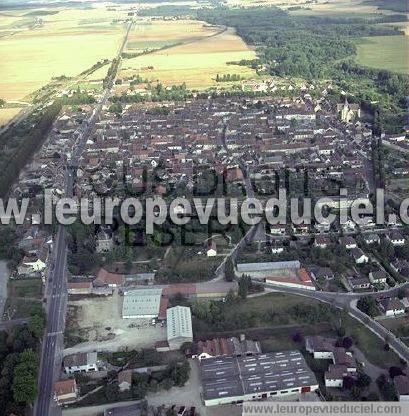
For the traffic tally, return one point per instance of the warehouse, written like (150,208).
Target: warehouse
(235,379)
(141,303)
(179,326)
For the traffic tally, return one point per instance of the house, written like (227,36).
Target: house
(402,387)
(400,266)
(211,249)
(342,357)
(112,280)
(80,363)
(371,239)
(395,238)
(319,273)
(359,282)
(322,241)
(322,348)
(378,277)
(359,256)
(65,391)
(277,247)
(125,380)
(392,307)
(335,375)
(30,266)
(277,229)
(348,242)
(104,242)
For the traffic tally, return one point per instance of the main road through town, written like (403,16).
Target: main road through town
(57,284)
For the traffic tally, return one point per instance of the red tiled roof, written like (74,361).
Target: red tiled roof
(109,278)
(64,387)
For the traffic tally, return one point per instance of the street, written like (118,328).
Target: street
(57,295)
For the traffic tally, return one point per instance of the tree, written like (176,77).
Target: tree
(244,286)
(24,385)
(389,392)
(347,343)
(367,304)
(364,380)
(395,371)
(36,325)
(229,273)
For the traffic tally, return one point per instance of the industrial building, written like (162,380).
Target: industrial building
(179,326)
(142,303)
(235,379)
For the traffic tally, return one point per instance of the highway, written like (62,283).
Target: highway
(57,295)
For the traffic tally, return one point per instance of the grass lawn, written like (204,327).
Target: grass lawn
(370,344)
(22,308)
(275,333)
(25,288)
(384,52)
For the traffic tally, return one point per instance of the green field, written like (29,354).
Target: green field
(384,52)
(26,288)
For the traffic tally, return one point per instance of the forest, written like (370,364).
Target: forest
(313,47)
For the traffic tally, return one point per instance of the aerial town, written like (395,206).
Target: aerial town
(200,318)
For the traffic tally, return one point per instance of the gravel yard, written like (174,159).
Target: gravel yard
(99,321)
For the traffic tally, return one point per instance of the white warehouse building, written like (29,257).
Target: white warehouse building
(179,326)
(141,303)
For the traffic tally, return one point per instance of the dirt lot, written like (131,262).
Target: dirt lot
(99,321)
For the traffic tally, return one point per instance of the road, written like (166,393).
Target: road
(57,295)
(348,302)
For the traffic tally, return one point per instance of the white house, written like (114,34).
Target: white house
(80,363)
(378,276)
(125,380)
(348,242)
(334,377)
(395,238)
(392,307)
(211,249)
(359,256)
(321,348)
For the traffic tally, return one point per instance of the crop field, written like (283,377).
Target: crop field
(384,52)
(196,62)
(6,114)
(65,43)
(346,8)
(156,34)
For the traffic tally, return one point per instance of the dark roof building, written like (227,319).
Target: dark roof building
(235,379)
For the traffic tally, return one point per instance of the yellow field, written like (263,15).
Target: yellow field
(158,33)
(6,114)
(66,43)
(196,63)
